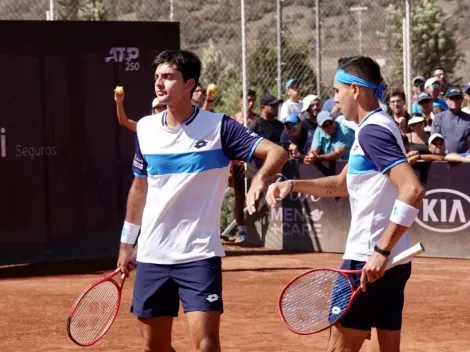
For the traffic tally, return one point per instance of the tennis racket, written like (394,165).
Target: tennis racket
(94,310)
(317,299)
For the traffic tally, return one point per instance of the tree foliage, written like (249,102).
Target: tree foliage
(432,43)
(85,10)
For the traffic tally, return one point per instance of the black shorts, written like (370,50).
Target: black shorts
(381,306)
(159,288)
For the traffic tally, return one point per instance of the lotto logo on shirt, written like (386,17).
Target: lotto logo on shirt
(138,163)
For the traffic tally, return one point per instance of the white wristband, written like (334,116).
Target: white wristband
(403,214)
(129,233)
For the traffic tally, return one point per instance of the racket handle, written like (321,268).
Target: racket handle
(406,255)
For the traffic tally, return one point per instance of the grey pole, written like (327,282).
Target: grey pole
(279,48)
(359,10)
(318,45)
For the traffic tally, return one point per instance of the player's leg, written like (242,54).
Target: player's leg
(155,302)
(200,291)
(389,313)
(354,328)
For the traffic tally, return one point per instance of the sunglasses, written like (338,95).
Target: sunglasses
(435,85)
(419,84)
(290,126)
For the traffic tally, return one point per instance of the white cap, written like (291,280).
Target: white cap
(430,82)
(155,102)
(434,136)
(308,100)
(415,119)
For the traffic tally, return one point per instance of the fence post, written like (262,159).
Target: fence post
(318,45)
(279,48)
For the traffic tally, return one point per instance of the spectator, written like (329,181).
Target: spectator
(437,151)
(311,107)
(398,109)
(292,106)
(331,141)
(453,124)
(203,100)
(298,136)
(331,106)
(418,137)
(425,104)
(266,125)
(433,88)
(462,157)
(440,74)
(418,87)
(250,101)
(466,88)
(237,170)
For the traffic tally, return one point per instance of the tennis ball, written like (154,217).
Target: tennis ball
(119,90)
(212,87)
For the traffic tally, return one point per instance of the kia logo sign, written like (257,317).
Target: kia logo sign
(445,210)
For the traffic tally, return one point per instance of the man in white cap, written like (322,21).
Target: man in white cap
(311,107)
(433,88)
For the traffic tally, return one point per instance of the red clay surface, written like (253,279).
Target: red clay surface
(34,308)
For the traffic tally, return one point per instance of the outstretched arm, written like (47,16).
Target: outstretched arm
(121,114)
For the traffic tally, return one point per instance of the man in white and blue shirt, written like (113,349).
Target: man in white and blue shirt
(385,197)
(181,168)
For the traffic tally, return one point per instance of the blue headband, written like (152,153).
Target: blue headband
(347,78)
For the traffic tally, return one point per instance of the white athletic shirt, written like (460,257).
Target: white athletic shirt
(187,169)
(378,146)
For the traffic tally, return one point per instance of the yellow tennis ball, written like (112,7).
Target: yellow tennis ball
(120,89)
(212,87)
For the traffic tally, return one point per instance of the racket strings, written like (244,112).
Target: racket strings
(315,301)
(94,312)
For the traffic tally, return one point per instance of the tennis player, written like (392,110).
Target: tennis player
(385,197)
(181,167)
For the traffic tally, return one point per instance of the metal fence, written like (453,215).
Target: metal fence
(283,38)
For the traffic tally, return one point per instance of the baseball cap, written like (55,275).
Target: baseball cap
(155,102)
(422,97)
(291,119)
(454,92)
(290,82)
(419,78)
(268,99)
(308,100)
(415,119)
(430,82)
(434,136)
(323,116)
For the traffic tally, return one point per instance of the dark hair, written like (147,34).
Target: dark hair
(185,61)
(361,66)
(249,92)
(398,92)
(438,68)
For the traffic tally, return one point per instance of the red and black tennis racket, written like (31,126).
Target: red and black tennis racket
(317,299)
(95,309)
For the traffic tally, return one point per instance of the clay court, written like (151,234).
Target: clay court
(36,300)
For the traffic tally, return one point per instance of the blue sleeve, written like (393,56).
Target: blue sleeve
(443,104)
(380,145)
(139,165)
(415,109)
(238,142)
(316,139)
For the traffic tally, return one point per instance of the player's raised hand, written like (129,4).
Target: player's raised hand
(278,190)
(127,258)
(119,95)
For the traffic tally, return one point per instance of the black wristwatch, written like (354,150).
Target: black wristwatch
(381,251)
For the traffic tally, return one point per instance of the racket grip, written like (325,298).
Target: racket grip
(406,255)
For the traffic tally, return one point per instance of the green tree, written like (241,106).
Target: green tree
(85,10)
(262,66)
(432,43)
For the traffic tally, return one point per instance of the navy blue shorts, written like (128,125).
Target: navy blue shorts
(381,306)
(159,288)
